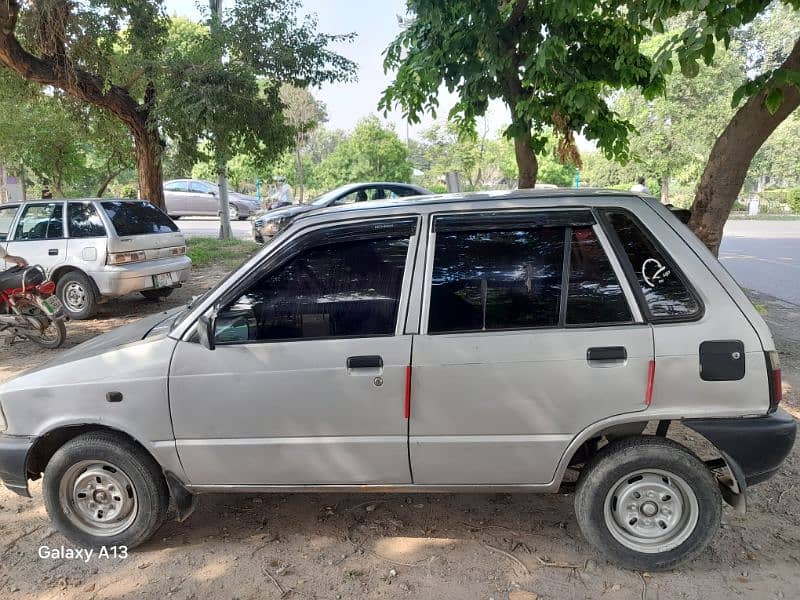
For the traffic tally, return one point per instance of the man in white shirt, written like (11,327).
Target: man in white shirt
(639,187)
(21,262)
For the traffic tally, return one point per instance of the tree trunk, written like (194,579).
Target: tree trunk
(224,216)
(148,149)
(665,189)
(527,164)
(300,175)
(732,154)
(90,88)
(106,182)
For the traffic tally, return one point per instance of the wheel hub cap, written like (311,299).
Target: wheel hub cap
(651,511)
(98,497)
(74,296)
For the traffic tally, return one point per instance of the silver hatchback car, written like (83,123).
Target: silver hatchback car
(97,249)
(529,341)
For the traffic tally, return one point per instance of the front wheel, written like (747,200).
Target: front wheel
(101,489)
(647,503)
(51,336)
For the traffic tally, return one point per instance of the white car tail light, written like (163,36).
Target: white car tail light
(125,258)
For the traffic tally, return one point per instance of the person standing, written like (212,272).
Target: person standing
(639,187)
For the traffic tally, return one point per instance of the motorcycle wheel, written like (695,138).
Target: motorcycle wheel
(53,335)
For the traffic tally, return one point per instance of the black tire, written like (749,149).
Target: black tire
(77,293)
(58,331)
(609,468)
(157,294)
(149,488)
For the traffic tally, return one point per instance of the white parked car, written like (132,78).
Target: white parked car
(97,249)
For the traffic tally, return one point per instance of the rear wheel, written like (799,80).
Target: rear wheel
(76,292)
(102,489)
(157,294)
(647,503)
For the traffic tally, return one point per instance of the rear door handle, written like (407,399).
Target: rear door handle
(365,362)
(606,353)
(53,252)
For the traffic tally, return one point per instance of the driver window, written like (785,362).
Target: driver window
(341,289)
(198,187)
(41,222)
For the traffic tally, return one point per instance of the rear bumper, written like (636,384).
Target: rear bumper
(756,446)
(118,281)
(14,452)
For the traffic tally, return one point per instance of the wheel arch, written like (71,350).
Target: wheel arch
(62,270)
(733,485)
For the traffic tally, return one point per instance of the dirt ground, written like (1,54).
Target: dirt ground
(485,546)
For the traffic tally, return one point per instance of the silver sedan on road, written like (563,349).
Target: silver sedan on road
(193,197)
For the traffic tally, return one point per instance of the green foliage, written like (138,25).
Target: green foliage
(370,153)
(551,62)
(205,251)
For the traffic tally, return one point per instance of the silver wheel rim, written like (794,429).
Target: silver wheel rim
(233,213)
(651,511)
(74,296)
(98,498)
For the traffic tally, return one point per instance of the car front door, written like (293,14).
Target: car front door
(306,382)
(38,236)
(203,199)
(529,334)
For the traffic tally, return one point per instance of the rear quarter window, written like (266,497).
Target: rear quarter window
(138,218)
(664,291)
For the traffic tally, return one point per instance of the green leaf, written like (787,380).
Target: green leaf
(774,100)
(689,67)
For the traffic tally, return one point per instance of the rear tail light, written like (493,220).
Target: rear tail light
(774,374)
(178,251)
(125,258)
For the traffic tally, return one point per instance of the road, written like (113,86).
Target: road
(764,256)
(761,255)
(209,226)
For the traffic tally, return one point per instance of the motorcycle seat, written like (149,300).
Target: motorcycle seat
(12,278)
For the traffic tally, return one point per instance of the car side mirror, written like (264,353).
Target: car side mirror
(206,326)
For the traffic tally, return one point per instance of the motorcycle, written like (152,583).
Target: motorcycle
(29,309)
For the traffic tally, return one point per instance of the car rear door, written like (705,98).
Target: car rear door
(203,200)
(176,197)
(529,334)
(39,235)
(306,383)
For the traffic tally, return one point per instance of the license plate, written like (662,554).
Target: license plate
(162,280)
(52,305)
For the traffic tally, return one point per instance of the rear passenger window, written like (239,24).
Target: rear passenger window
(595,295)
(488,280)
(84,222)
(41,222)
(664,292)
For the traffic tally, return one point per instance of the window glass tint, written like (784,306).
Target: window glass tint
(361,195)
(6,217)
(402,192)
(496,279)
(175,186)
(665,294)
(84,221)
(138,218)
(595,295)
(335,290)
(41,222)
(200,187)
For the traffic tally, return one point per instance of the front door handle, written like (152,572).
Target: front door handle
(53,252)
(606,353)
(365,362)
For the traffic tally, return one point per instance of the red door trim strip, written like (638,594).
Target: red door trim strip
(651,375)
(407,398)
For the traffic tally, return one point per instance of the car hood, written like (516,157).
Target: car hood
(286,213)
(132,332)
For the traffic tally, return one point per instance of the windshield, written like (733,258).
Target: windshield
(327,197)
(138,218)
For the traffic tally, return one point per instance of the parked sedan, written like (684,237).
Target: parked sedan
(266,225)
(192,197)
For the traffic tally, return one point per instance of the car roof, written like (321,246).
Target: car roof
(465,197)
